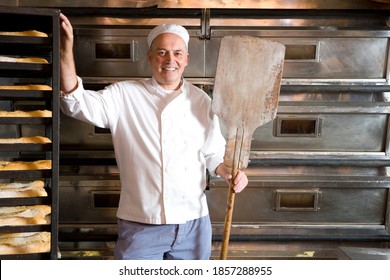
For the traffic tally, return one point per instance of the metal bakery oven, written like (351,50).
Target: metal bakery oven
(318,174)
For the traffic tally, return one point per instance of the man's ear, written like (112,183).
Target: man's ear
(149,57)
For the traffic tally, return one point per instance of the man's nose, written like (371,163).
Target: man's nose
(170,56)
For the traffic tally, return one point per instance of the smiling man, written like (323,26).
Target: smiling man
(168,55)
(165,136)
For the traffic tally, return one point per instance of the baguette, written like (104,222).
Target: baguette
(23,59)
(24,215)
(25,87)
(20,114)
(21,165)
(31,33)
(22,221)
(24,243)
(30,189)
(26,140)
(25,211)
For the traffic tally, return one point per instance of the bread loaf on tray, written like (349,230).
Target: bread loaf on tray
(26,140)
(24,215)
(29,189)
(23,59)
(24,165)
(30,33)
(25,87)
(24,243)
(26,114)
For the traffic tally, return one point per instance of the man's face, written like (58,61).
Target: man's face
(168,57)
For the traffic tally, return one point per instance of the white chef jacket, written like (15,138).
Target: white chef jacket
(163,142)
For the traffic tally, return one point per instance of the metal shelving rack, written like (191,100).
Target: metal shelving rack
(47,21)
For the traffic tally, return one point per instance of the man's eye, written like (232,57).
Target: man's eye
(161,53)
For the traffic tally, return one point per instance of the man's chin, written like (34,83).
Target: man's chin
(171,79)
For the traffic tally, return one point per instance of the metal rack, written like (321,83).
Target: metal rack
(47,21)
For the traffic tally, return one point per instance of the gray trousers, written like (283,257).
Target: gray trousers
(189,241)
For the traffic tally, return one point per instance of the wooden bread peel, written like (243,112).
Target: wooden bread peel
(245,96)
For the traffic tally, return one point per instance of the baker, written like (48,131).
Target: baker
(165,136)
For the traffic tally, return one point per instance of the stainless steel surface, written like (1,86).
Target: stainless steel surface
(293,250)
(319,201)
(122,65)
(281,250)
(323,133)
(87,136)
(264,4)
(81,3)
(361,253)
(94,191)
(335,56)
(324,55)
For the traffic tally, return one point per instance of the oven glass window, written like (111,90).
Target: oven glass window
(301,52)
(303,127)
(106,200)
(112,51)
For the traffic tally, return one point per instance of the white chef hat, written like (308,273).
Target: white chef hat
(169,28)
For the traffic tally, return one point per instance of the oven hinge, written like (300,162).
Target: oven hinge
(205,25)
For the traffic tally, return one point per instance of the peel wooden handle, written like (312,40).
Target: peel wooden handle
(231,193)
(228,221)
